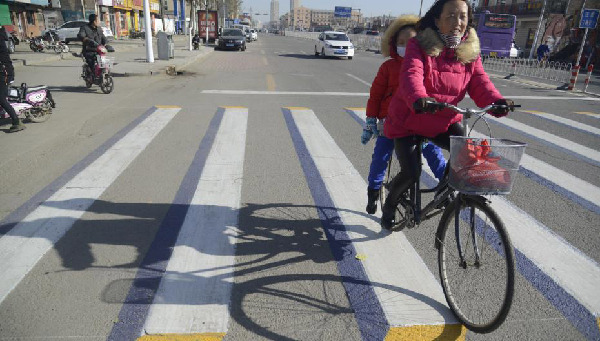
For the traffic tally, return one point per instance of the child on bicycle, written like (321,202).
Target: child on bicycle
(393,45)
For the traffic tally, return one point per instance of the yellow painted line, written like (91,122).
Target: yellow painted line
(183,337)
(264,59)
(355,109)
(586,113)
(232,107)
(167,106)
(598,322)
(295,108)
(270,82)
(440,332)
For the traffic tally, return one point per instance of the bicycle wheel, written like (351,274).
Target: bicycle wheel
(479,286)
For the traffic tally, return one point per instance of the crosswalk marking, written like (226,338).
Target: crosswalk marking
(587,113)
(203,257)
(347,190)
(24,245)
(564,121)
(583,152)
(560,261)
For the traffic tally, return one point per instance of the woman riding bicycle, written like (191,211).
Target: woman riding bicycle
(441,64)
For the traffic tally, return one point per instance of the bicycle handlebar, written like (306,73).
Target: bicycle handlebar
(469,111)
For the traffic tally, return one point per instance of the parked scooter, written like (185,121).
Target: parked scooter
(52,41)
(101,74)
(36,44)
(196,42)
(34,104)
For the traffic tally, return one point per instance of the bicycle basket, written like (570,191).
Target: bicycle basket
(484,166)
(106,62)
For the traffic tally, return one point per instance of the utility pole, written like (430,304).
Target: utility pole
(83,9)
(206,25)
(537,32)
(149,51)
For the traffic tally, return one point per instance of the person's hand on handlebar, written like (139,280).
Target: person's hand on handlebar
(425,105)
(506,106)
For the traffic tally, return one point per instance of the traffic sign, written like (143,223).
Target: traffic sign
(342,12)
(589,18)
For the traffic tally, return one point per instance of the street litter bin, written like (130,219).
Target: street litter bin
(166,46)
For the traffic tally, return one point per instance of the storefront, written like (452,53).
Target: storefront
(122,14)
(107,14)
(27,17)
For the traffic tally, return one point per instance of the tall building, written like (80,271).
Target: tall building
(294,4)
(274,11)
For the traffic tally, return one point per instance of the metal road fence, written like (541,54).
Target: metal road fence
(360,41)
(551,71)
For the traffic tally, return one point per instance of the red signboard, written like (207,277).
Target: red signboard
(212,24)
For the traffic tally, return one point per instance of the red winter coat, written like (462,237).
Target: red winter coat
(432,70)
(384,86)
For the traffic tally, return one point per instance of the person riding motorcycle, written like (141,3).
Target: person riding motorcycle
(196,41)
(91,36)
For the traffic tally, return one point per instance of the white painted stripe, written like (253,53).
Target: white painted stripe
(347,189)
(557,176)
(574,271)
(24,245)
(360,80)
(279,93)
(194,294)
(565,121)
(572,147)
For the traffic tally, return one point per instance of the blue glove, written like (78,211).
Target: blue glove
(370,130)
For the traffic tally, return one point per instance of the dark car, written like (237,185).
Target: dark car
(232,39)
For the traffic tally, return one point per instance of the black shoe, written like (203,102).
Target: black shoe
(373,196)
(387,219)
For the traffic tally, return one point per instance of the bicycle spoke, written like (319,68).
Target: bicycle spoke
(479,290)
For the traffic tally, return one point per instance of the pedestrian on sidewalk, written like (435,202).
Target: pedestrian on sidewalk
(7,75)
(542,51)
(393,45)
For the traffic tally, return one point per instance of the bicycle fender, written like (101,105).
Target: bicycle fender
(450,210)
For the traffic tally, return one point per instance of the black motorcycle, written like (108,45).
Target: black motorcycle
(36,44)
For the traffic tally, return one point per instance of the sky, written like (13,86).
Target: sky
(368,7)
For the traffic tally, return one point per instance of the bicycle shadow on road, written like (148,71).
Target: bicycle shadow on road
(269,237)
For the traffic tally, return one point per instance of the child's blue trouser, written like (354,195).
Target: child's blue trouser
(384,149)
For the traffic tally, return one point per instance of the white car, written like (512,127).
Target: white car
(253,34)
(334,44)
(68,31)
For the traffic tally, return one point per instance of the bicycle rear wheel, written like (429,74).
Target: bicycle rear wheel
(479,286)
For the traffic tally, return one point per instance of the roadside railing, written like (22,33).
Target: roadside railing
(360,41)
(551,71)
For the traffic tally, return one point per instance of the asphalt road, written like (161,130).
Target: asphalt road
(229,200)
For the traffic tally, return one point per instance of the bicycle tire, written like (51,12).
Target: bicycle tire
(495,249)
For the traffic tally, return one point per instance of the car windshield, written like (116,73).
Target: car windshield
(232,33)
(339,37)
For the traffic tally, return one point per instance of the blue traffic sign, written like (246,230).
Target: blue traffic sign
(342,12)
(589,18)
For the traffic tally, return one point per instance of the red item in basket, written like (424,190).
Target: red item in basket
(479,169)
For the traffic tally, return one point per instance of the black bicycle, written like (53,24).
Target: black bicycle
(475,255)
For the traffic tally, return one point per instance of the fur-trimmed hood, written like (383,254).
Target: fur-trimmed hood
(387,48)
(467,52)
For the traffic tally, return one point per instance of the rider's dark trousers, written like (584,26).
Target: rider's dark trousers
(3,98)
(410,162)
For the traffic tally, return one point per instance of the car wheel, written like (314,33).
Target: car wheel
(350,58)
(323,52)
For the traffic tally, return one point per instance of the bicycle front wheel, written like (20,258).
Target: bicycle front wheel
(476,264)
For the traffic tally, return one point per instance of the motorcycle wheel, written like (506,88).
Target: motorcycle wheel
(107,84)
(41,113)
(65,48)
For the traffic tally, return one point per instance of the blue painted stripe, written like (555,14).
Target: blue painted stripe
(141,294)
(12,219)
(581,318)
(560,190)
(369,314)
(548,143)
(357,118)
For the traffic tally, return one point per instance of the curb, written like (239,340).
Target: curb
(193,60)
(518,80)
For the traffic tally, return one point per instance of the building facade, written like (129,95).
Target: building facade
(321,17)
(274,11)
